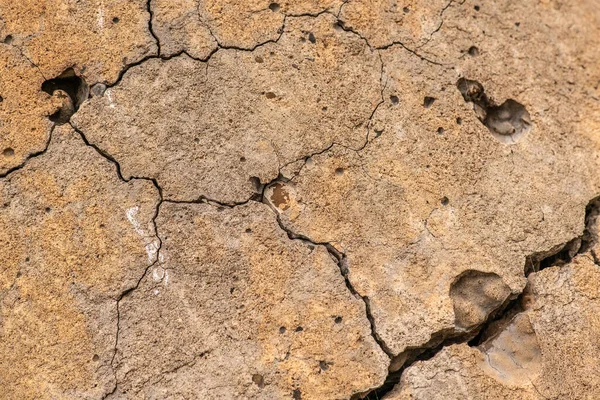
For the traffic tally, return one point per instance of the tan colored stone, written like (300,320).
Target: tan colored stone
(24,110)
(435,194)
(97,38)
(212,129)
(385,22)
(178,26)
(73,238)
(235,309)
(548,351)
(198,27)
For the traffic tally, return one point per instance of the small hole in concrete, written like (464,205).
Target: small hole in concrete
(299,329)
(248,230)
(440,131)
(311,38)
(444,201)
(270,95)
(1,99)
(116,20)
(517,24)
(71,89)
(338,320)
(476,8)
(8,39)
(323,365)
(459,121)
(394,99)
(406,10)
(428,101)
(274,7)
(473,51)
(507,122)
(339,171)
(242,159)
(258,380)
(8,152)
(96,357)
(297,394)
(259,59)
(48,209)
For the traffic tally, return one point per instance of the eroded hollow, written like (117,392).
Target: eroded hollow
(507,122)
(71,90)
(475,295)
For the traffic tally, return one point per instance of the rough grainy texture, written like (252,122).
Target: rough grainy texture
(24,109)
(73,238)
(549,350)
(97,38)
(314,199)
(235,309)
(208,129)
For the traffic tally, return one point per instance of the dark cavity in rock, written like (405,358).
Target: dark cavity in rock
(507,122)
(72,92)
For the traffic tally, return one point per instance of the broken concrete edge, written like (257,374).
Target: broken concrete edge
(556,256)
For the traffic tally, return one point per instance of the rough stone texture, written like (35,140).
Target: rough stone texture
(73,237)
(235,309)
(386,22)
(198,27)
(550,350)
(387,176)
(97,38)
(430,198)
(207,129)
(24,110)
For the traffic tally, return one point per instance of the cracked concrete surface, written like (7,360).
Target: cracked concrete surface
(316,199)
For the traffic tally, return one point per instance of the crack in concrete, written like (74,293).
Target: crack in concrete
(30,156)
(422,352)
(150,27)
(156,233)
(555,257)
(342,264)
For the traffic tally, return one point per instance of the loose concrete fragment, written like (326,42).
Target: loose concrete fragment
(67,252)
(549,351)
(96,38)
(237,310)
(216,129)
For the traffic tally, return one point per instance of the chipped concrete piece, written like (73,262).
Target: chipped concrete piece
(238,310)
(69,249)
(550,350)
